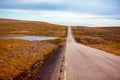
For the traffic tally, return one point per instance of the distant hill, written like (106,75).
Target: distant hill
(12,27)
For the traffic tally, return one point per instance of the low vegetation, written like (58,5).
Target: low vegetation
(22,28)
(17,56)
(20,59)
(104,38)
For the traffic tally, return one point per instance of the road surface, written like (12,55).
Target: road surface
(86,63)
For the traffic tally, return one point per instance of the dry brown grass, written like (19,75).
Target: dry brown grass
(104,38)
(18,57)
(19,27)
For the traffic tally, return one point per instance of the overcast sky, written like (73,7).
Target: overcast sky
(70,12)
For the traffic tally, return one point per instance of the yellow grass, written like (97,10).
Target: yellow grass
(104,38)
(18,56)
(19,28)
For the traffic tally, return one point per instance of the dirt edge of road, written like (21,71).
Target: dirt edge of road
(53,69)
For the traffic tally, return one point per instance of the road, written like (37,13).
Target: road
(86,63)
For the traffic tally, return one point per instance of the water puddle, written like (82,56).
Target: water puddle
(29,38)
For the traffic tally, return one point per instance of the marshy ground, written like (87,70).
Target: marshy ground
(22,59)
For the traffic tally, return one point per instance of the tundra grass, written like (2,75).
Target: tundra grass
(18,55)
(23,28)
(104,38)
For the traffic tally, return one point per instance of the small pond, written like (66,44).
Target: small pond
(29,38)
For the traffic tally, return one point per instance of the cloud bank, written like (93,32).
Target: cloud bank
(69,12)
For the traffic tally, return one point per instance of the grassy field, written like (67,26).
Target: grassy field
(19,28)
(104,38)
(17,56)
(20,58)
